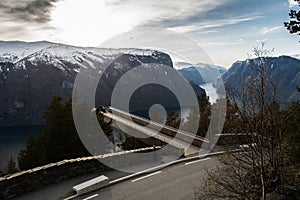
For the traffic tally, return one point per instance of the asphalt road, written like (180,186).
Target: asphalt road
(64,188)
(175,182)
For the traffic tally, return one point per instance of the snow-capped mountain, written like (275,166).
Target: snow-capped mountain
(53,53)
(12,51)
(28,83)
(199,73)
(297,56)
(283,70)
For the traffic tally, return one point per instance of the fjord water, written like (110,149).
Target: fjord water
(210,91)
(13,139)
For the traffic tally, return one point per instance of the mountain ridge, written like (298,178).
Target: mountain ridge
(29,84)
(284,70)
(200,73)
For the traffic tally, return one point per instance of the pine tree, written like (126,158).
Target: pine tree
(293,26)
(173,120)
(11,166)
(33,155)
(58,141)
(204,114)
(61,138)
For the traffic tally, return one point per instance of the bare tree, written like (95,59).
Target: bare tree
(257,170)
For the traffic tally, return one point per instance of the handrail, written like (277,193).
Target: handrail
(161,137)
(160,125)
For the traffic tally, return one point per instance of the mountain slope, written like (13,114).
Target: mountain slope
(12,51)
(28,84)
(199,73)
(283,70)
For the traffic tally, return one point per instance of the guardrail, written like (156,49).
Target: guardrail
(25,181)
(170,131)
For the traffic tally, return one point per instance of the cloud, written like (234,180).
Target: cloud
(20,18)
(267,30)
(197,17)
(208,24)
(101,19)
(163,8)
(37,11)
(223,43)
(293,3)
(187,16)
(166,13)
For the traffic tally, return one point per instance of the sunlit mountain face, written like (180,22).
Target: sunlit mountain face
(32,73)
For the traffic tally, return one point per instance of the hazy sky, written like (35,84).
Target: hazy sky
(226,29)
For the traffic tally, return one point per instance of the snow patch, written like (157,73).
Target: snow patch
(297,56)
(20,50)
(8,58)
(76,70)
(20,65)
(61,56)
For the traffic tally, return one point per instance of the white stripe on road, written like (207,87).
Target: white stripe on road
(91,197)
(197,161)
(138,179)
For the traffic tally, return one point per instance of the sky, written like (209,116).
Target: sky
(226,29)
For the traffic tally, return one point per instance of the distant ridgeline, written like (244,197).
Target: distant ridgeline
(283,72)
(200,74)
(32,73)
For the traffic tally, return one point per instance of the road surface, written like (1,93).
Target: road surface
(175,182)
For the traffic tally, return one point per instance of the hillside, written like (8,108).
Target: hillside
(30,80)
(284,71)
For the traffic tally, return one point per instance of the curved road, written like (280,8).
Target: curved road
(175,182)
